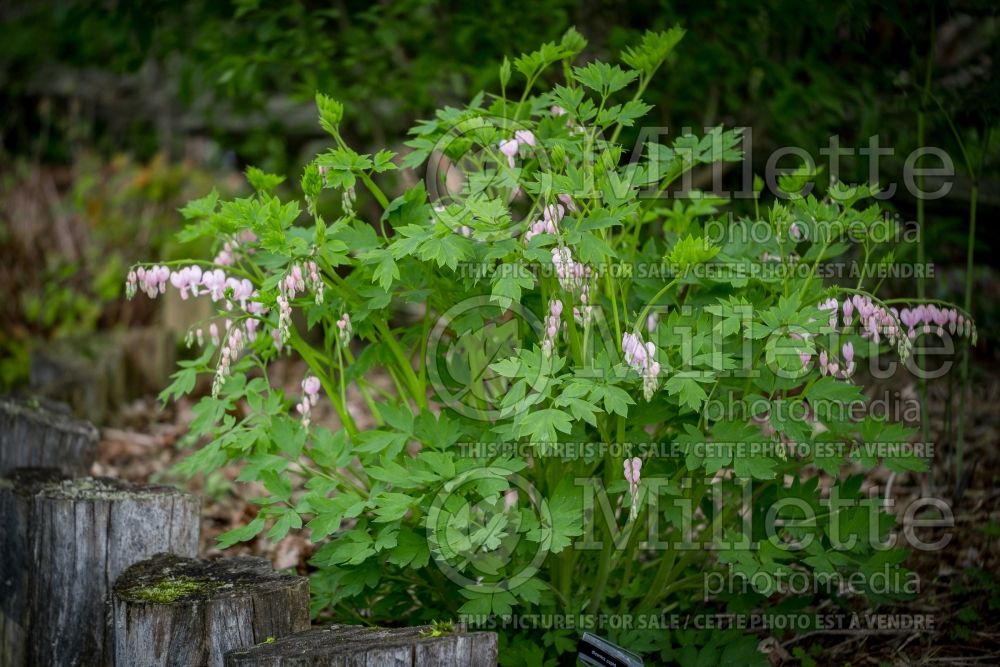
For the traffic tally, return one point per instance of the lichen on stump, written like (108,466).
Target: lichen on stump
(179,611)
(75,537)
(354,645)
(36,433)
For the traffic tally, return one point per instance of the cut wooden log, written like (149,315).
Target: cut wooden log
(16,493)
(36,433)
(72,539)
(178,611)
(359,646)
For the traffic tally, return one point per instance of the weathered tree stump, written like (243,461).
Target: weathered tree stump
(72,539)
(177,611)
(16,494)
(358,646)
(38,434)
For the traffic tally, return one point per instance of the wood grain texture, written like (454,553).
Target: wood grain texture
(37,433)
(73,538)
(358,646)
(16,493)
(178,611)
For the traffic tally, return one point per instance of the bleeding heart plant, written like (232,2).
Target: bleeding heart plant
(511,333)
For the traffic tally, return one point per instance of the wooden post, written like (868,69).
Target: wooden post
(16,492)
(35,433)
(177,611)
(354,645)
(73,538)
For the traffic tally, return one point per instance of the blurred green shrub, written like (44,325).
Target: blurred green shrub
(68,236)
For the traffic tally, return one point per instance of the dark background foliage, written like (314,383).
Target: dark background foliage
(220,85)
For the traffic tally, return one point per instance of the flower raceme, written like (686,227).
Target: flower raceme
(553,326)
(549,224)
(574,277)
(152,280)
(633,469)
(552,215)
(642,357)
(875,322)
(310,396)
(926,315)
(193,281)
(830,367)
(344,331)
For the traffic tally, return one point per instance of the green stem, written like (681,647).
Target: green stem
(313,359)
(374,189)
(812,270)
(964,384)
(922,242)
(416,390)
(645,311)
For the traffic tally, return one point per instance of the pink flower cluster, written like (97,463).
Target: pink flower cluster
(151,280)
(877,322)
(284,329)
(232,348)
(189,281)
(344,331)
(310,396)
(874,320)
(300,278)
(552,215)
(642,357)
(303,277)
(927,315)
(194,281)
(575,278)
(511,147)
(832,368)
(553,326)
(227,256)
(633,476)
